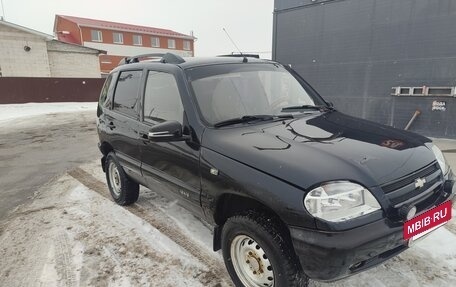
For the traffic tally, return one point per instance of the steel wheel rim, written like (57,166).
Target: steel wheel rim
(114,178)
(251,263)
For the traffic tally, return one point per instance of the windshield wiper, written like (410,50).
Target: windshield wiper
(250,118)
(308,107)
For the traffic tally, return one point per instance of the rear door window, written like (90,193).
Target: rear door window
(126,96)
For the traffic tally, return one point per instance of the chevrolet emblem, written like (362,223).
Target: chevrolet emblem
(419,182)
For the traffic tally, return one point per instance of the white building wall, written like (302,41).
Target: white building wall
(124,50)
(15,61)
(69,61)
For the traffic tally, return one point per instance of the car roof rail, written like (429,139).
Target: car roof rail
(241,55)
(164,58)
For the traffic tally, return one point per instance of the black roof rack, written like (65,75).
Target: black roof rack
(241,55)
(164,58)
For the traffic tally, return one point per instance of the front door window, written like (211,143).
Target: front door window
(162,100)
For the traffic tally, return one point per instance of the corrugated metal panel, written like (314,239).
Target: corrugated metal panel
(293,4)
(17,90)
(353,52)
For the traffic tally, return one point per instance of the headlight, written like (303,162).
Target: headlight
(440,158)
(340,201)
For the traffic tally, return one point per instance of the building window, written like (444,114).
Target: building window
(186,45)
(171,44)
(96,36)
(117,38)
(155,41)
(137,40)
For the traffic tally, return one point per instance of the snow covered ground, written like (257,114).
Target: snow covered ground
(15,111)
(72,234)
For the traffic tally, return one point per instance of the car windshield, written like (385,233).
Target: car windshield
(225,92)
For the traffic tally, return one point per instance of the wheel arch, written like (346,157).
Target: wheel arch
(229,205)
(105,149)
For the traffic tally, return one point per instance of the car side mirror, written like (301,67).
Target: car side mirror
(166,132)
(330,104)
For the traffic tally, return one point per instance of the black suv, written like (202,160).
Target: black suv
(293,188)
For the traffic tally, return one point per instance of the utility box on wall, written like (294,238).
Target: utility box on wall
(357,53)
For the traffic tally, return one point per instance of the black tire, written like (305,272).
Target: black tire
(264,231)
(124,191)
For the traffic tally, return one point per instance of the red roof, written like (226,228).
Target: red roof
(85,22)
(68,38)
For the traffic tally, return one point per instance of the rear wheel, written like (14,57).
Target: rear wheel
(257,254)
(123,190)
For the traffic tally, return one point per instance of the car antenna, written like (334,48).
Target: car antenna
(245,60)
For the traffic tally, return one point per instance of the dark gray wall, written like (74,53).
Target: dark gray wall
(354,51)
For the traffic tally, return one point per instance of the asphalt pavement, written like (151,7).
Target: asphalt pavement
(37,149)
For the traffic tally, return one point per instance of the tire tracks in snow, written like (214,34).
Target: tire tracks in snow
(63,258)
(216,273)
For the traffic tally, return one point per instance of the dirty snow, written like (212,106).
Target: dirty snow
(72,236)
(14,111)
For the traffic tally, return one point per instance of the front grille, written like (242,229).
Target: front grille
(404,191)
(389,187)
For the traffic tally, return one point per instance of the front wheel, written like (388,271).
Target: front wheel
(257,254)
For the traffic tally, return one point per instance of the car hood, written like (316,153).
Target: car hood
(323,147)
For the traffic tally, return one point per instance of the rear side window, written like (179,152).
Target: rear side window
(126,99)
(107,90)
(162,100)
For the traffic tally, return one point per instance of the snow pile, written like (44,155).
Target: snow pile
(71,236)
(14,111)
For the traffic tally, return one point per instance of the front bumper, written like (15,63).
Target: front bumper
(328,256)
(332,255)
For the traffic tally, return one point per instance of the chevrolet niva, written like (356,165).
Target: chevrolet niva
(293,188)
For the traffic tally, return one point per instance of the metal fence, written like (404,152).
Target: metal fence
(17,90)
